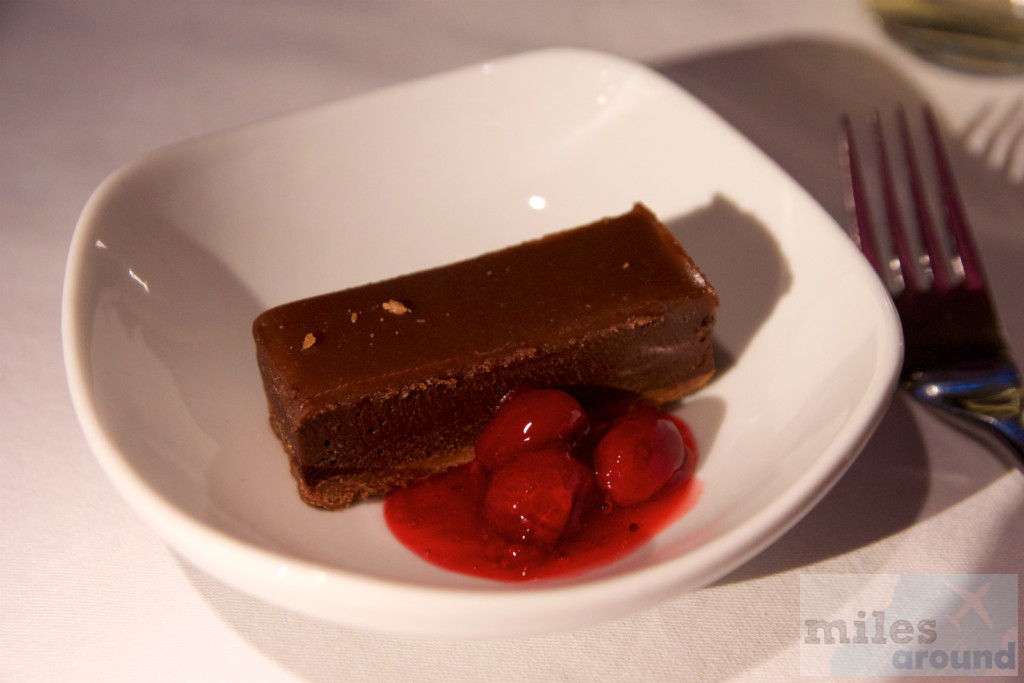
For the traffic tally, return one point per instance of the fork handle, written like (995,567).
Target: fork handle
(993,400)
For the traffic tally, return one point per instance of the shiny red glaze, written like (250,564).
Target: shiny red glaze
(639,455)
(537,495)
(540,513)
(529,420)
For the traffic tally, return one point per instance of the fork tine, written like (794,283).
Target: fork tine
(974,277)
(857,202)
(904,260)
(926,226)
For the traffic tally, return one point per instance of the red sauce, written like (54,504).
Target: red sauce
(444,519)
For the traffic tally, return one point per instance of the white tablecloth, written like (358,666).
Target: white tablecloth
(87,592)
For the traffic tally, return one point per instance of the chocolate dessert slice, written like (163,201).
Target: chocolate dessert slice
(375,386)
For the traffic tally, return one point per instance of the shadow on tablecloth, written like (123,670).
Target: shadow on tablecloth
(788,97)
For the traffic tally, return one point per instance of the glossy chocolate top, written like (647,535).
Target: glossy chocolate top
(474,315)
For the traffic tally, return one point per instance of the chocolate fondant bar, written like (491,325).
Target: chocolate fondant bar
(374,386)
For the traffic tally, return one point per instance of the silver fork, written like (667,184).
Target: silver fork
(955,356)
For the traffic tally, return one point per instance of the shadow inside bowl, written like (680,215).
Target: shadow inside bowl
(723,239)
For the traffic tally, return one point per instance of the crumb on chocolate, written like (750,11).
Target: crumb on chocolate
(308,340)
(354,317)
(396,307)
(625,265)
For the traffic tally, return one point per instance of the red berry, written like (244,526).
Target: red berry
(528,421)
(639,455)
(537,495)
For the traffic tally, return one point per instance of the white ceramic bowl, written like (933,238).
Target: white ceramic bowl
(176,254)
